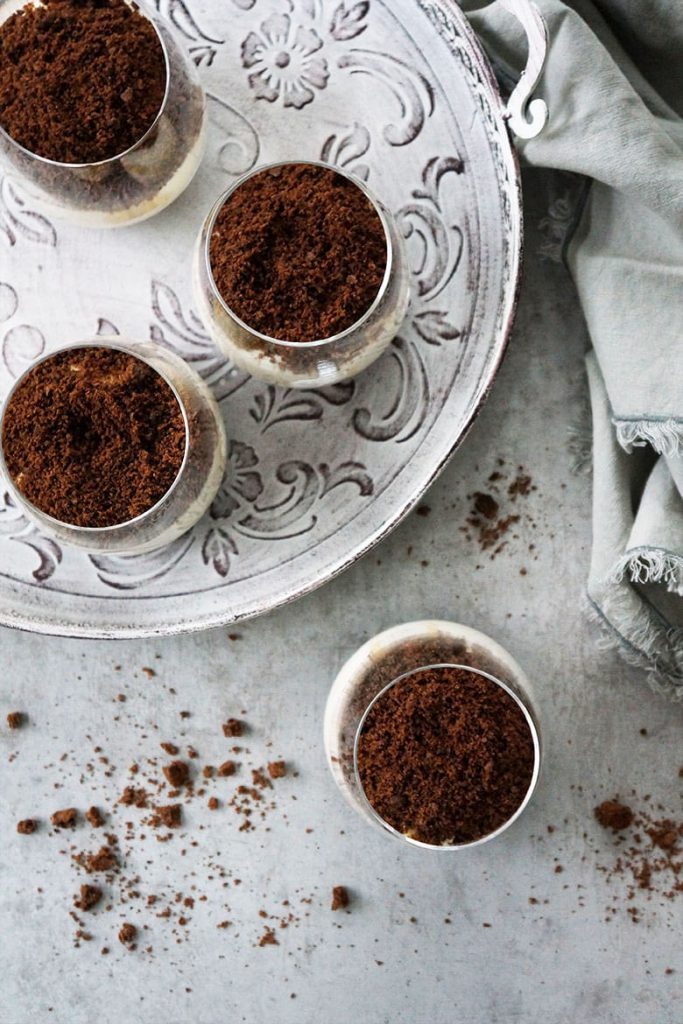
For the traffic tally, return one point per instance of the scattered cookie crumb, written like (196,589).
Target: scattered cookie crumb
(133,796)
(94,863)
(128,934)
(233,727)
(16,719)
(177,773)
(614,815)
(66,818)
(89,897)
(94,817)
(169,816)
(27,827)
(268,938)
(340,897)
(277,769)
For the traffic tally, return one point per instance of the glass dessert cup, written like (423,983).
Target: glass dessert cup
(196,482)
(314,363)
(137,183)
(371,672)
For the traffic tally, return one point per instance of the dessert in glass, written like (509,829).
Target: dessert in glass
(300,274)
(66,121)
(407,654)
(112,445)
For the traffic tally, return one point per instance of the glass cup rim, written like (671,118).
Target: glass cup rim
(119,345)
(318,342)
(452,847)
(137,5)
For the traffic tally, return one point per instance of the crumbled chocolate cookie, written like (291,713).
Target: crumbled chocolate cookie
(66,818)
(177,773)
(90,896)
(614,815)
(169,816)
(340,897)
(128,934)
(94,817)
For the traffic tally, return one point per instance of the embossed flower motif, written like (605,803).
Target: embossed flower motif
(242,482)
(284,61)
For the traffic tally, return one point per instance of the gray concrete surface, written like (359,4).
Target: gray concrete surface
(392,958)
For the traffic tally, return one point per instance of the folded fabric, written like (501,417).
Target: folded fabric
(613,81)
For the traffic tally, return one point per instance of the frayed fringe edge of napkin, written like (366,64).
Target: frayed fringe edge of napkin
(647,639)
(665,436)
(651,565)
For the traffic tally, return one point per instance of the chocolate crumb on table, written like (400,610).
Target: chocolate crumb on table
(614,815)
(177,773)
(340,897)
(66,818)
(227,768)
(133,796)
(90,896)
(260,779)
(268,938)
(665,835)
(170,748)
(128,934)
(486,505)
(212,803)
(277,769)
(94,817)
(233,727)
(101,861)
(27,826)
(15,719)
(169,816)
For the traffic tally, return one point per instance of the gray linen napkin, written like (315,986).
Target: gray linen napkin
(613,82)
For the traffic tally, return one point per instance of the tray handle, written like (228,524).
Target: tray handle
(526,116)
